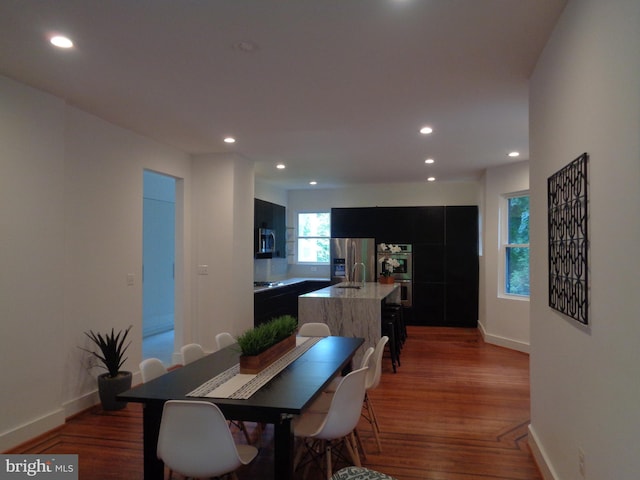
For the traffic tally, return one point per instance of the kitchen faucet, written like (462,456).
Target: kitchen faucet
(364,273)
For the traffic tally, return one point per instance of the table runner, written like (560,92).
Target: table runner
(233,384)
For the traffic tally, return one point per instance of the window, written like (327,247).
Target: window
(314,234)
(516,245)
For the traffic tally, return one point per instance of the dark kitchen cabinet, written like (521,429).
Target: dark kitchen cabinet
(428,304)
(429,225)
(282,300)
(272,216)
(461,225)
(445,255)
(353,222)
(394,224)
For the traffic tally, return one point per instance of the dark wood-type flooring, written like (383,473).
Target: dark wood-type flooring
(458,409)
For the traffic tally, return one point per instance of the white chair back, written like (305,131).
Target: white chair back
(375,364)
(195,440)
(314,330)
(224,339)
(346,406)
(151,368)
(366,359)
(191,353)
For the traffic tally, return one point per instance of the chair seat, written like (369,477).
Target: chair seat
(246,453)
(307,425)
(359,473)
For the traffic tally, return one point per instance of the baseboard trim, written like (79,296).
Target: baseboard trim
(23,433)
(540,456)
(503,341)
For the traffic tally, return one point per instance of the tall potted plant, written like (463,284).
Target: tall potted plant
(111,350)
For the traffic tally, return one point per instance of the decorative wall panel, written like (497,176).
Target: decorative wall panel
(568,240)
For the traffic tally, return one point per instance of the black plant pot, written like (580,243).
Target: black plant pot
(109,387)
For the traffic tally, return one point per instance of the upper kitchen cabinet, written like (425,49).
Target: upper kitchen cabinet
(461,225)
(429,225)
(353,222)
(394,224)
(269,216)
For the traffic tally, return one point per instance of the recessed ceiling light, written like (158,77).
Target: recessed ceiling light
(514,154)
(426,130)
(429,160)
(246,46)
(313,182)
(431,179)
(281,166)
(61,42)
(229,140)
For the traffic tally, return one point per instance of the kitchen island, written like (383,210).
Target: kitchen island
(350,309)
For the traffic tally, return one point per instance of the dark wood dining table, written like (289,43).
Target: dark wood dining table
(277,402)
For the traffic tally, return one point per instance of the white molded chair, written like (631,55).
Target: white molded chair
(373,380)
(195,441)
(321,432)
(191,353)
(224,339)
(314,330)
(151,368)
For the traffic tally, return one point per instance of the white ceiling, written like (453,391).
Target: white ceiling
(336,89)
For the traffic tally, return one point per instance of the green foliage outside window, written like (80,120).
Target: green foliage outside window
(517,248)
(314,232)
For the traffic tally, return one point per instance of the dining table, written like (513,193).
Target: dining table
(277,402)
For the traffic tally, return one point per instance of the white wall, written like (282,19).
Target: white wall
(71,194)
(503,321)
(585,387)
(32,352)
(223,195)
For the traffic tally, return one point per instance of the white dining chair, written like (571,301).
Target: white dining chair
(224,339)
(191,353)
(195,441)
(314,329)
(372,381)
(151,368)
(322,432)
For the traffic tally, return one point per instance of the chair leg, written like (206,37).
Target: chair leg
(352,448)
(359,443)
(327,453)
(371,418)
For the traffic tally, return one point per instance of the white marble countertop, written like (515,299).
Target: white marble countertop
(286,282)
(366,291)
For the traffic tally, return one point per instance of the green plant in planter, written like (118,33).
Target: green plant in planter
(257,340)
(111,356)
(112,349)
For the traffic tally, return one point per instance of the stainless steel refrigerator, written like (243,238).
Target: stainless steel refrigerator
(353,260)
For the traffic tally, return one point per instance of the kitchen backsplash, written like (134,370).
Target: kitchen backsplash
(269,269)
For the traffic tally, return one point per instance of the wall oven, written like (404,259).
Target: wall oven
(403,273)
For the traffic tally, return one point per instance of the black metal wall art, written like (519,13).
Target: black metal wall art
(568,240)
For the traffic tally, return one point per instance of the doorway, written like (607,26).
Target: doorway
(158,266)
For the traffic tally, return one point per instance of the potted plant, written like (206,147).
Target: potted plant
(111,350)
(264,344)
(388,263)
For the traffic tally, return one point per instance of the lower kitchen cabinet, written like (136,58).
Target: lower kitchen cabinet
(282,300)
(428,304)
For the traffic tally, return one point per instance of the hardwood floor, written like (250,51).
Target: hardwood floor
(458,409)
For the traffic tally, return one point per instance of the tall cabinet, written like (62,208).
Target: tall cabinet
(445,255)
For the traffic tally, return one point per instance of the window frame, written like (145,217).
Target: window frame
(298,236)
(504,245)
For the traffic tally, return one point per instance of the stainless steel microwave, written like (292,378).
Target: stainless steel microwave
(266,240)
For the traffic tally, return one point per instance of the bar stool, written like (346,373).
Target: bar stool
(389,329)
(401,331)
